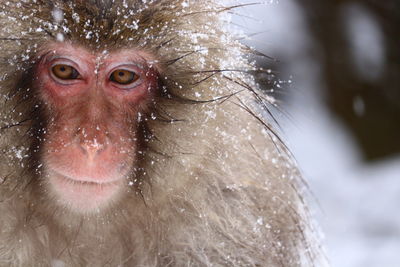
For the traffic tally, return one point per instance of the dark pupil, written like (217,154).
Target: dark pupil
(121,73)
(63,68)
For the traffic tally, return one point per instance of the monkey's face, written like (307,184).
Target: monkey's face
(94,103)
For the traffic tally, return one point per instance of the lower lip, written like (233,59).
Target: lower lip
(84,196)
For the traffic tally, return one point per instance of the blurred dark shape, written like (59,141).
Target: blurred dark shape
(369,107)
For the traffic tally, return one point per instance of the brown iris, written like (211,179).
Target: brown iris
(65,72)
(124,77)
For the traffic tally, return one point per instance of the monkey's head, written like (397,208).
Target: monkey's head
(99,85)
(93,101)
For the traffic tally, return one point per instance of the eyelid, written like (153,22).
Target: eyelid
(137,68)
(64,61)
(128,67)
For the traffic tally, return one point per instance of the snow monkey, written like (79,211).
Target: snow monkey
(134,134)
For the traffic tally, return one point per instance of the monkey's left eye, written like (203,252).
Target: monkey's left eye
(65,72)
(124,77)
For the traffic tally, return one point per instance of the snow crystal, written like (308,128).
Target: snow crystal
(58,15)
(60,37)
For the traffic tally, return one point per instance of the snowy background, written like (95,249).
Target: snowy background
(357,201)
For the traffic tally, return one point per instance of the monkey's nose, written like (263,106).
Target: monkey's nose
(92,148)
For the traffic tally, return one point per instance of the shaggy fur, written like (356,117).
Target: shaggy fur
(215,187)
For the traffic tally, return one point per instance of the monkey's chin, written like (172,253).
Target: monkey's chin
(84,197)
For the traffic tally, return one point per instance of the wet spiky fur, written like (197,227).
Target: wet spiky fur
(215,187)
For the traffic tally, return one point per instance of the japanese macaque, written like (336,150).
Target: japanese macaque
(133,134)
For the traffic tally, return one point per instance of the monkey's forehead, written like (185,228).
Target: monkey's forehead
(100,23)
(67,49)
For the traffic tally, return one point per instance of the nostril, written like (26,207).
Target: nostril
(83,149)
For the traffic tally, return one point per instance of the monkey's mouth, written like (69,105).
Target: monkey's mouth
(86,182)
(82,195)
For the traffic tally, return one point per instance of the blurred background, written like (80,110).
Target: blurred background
(336,73)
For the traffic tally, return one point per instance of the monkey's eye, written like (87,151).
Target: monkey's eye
(65,72)
(124,77)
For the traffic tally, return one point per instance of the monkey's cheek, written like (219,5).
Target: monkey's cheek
(85,197)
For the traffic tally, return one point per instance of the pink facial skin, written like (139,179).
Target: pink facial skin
(91,138)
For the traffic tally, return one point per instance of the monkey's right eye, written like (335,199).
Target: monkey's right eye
(65,72)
